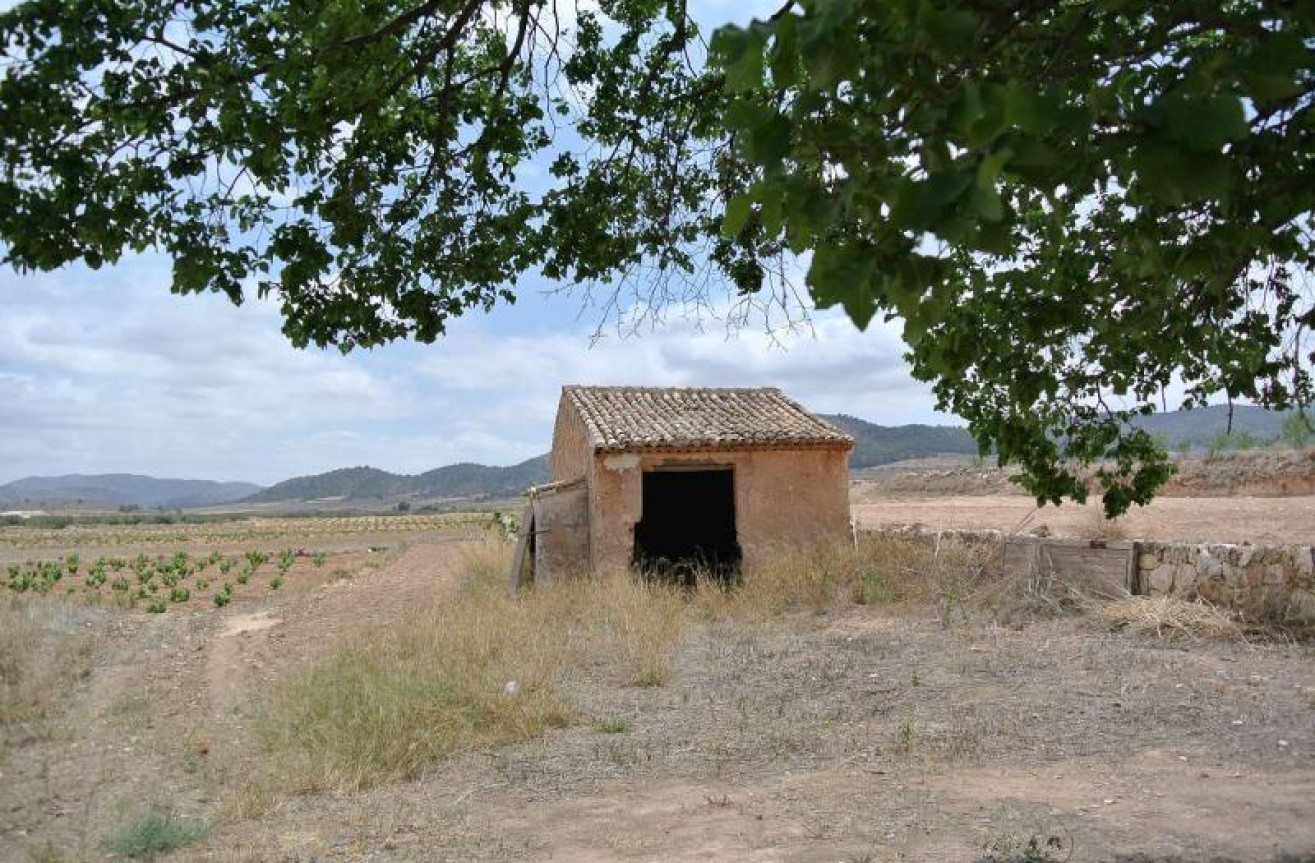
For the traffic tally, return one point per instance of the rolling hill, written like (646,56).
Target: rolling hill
(1200,426)
(465,480)
(123,489)
(876,444)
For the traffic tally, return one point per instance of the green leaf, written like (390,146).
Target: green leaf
(739,51)
(769,140)
(738,210)
(838,276)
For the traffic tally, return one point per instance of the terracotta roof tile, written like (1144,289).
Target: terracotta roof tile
(681,418)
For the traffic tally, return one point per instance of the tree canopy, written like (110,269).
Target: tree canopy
(1073,206)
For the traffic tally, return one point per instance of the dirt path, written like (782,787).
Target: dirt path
(1260,520)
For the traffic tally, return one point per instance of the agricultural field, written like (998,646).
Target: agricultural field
(1257,496)
(884,703)
(93,538)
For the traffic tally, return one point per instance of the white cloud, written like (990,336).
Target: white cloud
(108,372)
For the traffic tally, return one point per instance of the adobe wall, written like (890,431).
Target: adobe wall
(782,497)
(571,455)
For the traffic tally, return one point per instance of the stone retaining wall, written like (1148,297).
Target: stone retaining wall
(1274,582)
(1270,581)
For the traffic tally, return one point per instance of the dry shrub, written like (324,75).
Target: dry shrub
(1099,526)
(1167,617)
(789,579)
(475,669)
(45,648)
(881,568)
(634,623)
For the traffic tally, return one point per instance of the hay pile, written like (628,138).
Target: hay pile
(1168,617)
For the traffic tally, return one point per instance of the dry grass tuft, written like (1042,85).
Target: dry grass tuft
(471,670)
(45,648)
(1170,618)
(879,569)
(479,668)
(1099,526)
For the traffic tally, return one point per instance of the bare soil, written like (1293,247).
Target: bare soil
(872,733)
(1247,473)
(1258,520)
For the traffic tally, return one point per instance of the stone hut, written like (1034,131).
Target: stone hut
(717,476)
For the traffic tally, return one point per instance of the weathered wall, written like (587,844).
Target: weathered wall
(782,497)
(561,531)
(571,455)
(1258,580)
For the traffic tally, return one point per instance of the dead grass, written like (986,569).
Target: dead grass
(887,568)
(1170,618)
(1099,526)
(472,670)
(479,668)
(45,648)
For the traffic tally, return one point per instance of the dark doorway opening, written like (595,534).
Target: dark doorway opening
(688,525)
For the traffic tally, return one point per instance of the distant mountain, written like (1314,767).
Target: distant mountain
(464,480)
(123,489)
(347,482)
(873,445)
(876,444)
(1200,426)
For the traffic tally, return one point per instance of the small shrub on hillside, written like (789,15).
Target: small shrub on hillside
(1298,429)
(153,833)
(613,725)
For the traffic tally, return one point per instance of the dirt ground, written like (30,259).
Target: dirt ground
(1259,520)
(870,734)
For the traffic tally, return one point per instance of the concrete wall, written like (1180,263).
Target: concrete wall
(782,497)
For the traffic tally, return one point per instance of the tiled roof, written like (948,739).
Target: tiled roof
(679,418)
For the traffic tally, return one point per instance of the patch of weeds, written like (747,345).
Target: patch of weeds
(613,725)
(152,833)
(722,802)
(872,588)
(904,737)
(1035,849)
(45,854)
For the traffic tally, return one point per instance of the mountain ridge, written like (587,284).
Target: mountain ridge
(461,480)
(124,489)
(874,445)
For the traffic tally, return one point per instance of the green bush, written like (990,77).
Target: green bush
(153,833)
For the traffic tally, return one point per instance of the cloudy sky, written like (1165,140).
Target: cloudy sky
(106,371)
